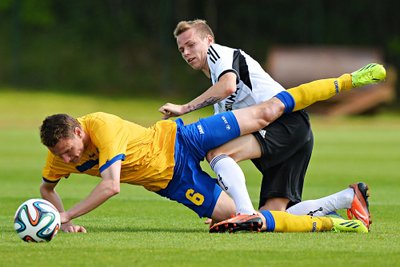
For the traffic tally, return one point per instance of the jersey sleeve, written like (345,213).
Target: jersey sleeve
(109,135)
(220,61)
(54,169)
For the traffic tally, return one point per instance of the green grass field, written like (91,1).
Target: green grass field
(139,228)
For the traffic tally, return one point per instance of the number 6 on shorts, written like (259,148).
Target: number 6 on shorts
(195,198)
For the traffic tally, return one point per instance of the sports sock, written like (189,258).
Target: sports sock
(269,220)
(231,179)
(325,205)
(285,222)
(302,96)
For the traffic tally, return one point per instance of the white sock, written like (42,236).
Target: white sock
(325,205)
(231,179)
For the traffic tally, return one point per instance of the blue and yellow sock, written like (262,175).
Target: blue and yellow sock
(281,221)
(269,219)
(302,96)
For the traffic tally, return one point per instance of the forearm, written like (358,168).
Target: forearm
(103,191)
(52,196)
(219,91)
(108,187)
(201,102)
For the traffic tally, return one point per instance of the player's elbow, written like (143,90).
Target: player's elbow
(114,189)
(229,90)
(110,188)
(228,83)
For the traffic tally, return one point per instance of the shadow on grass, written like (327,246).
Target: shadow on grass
(144,230)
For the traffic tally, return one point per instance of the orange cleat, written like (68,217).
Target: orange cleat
(241,222)
(360,206)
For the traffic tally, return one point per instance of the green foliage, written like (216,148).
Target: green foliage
(38,12)
(127,48)
(31,12)
(6,4)
(139,228)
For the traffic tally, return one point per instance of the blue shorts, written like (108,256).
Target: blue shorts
(190,185)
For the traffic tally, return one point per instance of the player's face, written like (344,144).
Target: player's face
(69,149)
(193,49)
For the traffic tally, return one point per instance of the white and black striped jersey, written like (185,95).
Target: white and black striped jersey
(253,84)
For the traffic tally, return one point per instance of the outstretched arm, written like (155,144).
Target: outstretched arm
(220,90)
(48,192)
(108,187)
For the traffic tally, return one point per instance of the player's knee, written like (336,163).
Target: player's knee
(212,154)
(263,117)
(269,114)
(217,152)
(270,111)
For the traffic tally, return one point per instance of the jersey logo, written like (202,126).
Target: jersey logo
(314,227)
(200,129)
(87,165)
(221,183)
(213,55)
(336,86)
(361,215)
(312,212)
(230,100)
(227,126)
(262,133)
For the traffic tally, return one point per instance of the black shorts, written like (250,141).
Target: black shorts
(286,147)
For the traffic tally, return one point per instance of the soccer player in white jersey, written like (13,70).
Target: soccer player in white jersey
(280,151)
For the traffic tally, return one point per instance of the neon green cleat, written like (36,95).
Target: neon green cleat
(369,74)
(341,225)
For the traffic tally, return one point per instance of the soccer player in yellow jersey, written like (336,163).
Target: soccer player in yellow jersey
(165,159)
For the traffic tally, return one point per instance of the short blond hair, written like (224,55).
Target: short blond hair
(200,25)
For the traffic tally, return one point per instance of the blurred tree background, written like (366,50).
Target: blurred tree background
(127,48)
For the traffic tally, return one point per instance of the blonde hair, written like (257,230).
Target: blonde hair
(200,25)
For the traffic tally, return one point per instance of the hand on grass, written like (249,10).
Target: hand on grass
(69,227)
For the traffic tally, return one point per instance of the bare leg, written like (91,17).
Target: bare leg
(256,117)
(277,203)
(224,208)
(241,148)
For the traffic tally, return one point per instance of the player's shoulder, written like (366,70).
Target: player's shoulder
(219,47)
(100,121)
(216,52)
(99,117)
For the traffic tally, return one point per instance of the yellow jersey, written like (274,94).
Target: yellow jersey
(147,154)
